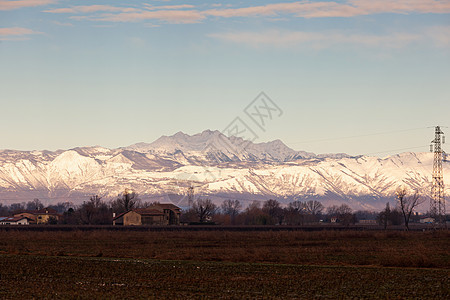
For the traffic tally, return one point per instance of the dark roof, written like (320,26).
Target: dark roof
(45,211)
(148,212)
(166,206)
(142,212)
(120,215)
(24,212)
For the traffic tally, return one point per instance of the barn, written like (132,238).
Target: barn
(155,215)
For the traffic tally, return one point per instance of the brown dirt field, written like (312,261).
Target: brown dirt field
(104,264)
(376,248)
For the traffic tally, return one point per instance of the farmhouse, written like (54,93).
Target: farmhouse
(42,216)
(14,221)
(158,214)
(28,215)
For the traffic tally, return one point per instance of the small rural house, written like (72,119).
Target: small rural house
(28,215)
(45,215)
(42,216)
(427,221)
(15,221)
(157,215)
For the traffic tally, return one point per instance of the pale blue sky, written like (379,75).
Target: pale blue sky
(110,73)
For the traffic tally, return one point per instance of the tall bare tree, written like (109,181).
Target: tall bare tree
(274,210)
(204,209)
(35,204)
(94,211)
(385,215)
(295,213)
(125,202)
(254,215)
(231,208)
(407,203)
(314,207)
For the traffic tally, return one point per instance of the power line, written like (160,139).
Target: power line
(358,136)
(402,149)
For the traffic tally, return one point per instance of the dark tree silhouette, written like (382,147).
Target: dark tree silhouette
(407,203)
(204,209)
(231,208)
(95,211)
(295,212)
(314,207)
(35,204)
(274,210)
(385,216)
(16,207)
(126,202)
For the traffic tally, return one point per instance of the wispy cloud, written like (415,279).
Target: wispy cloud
(169,16)
(320,40)
(62,24)
(310,9)
(91,9)
(16,33)
(167,13)
(187,13)
(16,4)
(164,7)
(439,35)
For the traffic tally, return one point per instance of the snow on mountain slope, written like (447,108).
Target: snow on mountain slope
(171,164)
(214,147)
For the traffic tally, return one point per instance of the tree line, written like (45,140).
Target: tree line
(271,212)
(96,211)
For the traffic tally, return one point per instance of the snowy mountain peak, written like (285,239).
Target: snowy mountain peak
(268,170)
(213,143)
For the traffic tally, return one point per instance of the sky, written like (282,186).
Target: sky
(355,76)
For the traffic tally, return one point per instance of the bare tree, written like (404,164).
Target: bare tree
(343,213)
(3,210)
(126,202)
(95,211)
(314,207)
(62,207)
(204,209)
(295,213)
(16,207)
(297,205)
(231,208)
(35,204)
(274,210)
(385,215)
(346,215)
(332,210)
(254,215)
(407,203)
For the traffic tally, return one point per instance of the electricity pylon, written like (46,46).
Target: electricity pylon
(437,201)
(190,196)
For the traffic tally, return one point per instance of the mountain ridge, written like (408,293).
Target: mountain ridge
(258,171)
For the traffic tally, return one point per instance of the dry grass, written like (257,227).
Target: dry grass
(394,249)
(224,265)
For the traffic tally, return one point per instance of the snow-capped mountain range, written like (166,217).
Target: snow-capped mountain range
(218,167)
